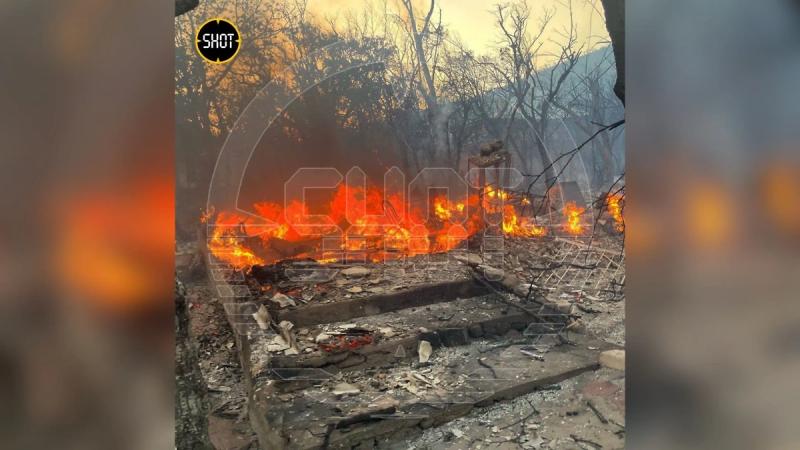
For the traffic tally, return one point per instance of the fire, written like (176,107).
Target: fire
(440,208)
(573,214)
(358,220)
(445,210)
(494,193)
(614,206)
(515,226)
(367,220)
(226,241)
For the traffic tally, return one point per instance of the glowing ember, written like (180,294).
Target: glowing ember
(614,205)
(573,214)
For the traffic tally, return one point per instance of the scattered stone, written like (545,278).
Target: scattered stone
(283,300)
(322,337)
(424,351)
(356,272)
(277,344)
(387,331)
(613,359)
(262,317)
(355,290)
(377,290)
(345,389)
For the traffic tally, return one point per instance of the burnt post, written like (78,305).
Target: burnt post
(491,155)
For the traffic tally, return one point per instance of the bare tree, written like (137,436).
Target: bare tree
(534,90)
(588,102)
(426,44)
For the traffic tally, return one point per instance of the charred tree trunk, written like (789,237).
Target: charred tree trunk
(191,404)
(615,22)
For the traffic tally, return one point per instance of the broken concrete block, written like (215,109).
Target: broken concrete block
(613,359)
(356,272)
(424,351)
(277,344)
(262,317)
(345,388)
(283,300)
(386,331)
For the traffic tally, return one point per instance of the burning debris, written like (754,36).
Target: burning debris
(369,224)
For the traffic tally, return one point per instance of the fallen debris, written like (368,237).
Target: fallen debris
(356,272)
(288,336)
(425,350)
(283,300)
(350,339)
(345,389)
(262,317)
(386,331)
(530,351)
(581,440)
(277,344)
(597,412)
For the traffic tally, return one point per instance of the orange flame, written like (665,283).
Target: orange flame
(614,205)
(513,225)
(573,214)
(367,220)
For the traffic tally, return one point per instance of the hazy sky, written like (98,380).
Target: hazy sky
(472,20)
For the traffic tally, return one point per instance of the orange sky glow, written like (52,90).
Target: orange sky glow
(473,22)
